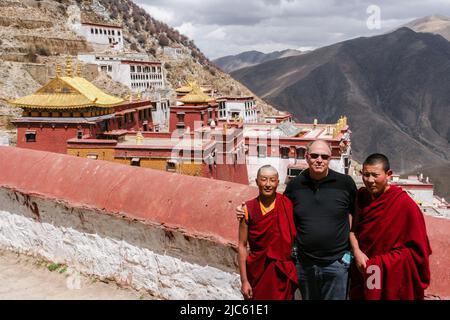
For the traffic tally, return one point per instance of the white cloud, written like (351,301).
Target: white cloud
(188,29)
(223,27)
(216,34)
(160,13)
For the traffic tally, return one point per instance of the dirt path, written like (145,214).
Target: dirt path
(23,277)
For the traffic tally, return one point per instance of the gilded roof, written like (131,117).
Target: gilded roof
(196,95)
(184,89)
(188,88)
(67,93)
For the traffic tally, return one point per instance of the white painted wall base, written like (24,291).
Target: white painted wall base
(110,247)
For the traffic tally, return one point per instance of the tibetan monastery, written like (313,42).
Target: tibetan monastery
(194,108)
(70,107)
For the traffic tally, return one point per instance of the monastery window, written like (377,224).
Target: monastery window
(118,32)
(180,116)
(132,69)
(136,162)
(139,69)
(284,151)
(30,136)
(114,33)
(171,166)
(79,134)
(96,31)
(109,68)
(262,151)
(300,153)
(92,30)
(109,32)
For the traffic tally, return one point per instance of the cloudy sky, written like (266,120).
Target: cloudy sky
(224,27)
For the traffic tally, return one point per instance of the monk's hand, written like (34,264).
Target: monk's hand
(240,211)
(360,260)
(246,290)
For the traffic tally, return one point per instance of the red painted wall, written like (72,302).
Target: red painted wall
(48,138)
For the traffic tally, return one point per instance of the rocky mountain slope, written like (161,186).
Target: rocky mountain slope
(36,35)
(436,24)
(251,58)
(394,88)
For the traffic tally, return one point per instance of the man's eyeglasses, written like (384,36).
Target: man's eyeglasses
(316,155)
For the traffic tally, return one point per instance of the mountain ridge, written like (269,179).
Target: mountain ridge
(250,58)
(392,87)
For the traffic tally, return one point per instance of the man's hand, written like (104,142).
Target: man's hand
(360,260)
(246,290)
(240,211)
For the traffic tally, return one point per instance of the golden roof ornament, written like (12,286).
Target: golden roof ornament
(58,70)
(78,69)
(69,68)
(139,138)
(196,95)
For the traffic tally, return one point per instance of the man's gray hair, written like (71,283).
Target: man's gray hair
(267,166)
(308,147)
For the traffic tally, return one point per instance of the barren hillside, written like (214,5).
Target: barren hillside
(36,35)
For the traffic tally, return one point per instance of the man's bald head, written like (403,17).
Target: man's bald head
(267,170)
(317,144)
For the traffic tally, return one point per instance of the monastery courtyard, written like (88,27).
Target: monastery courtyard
(28,278)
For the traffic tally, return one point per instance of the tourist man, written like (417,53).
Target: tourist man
(389,239)
(323,202)
(268,271)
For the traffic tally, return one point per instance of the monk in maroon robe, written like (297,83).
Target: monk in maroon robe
(389,239)
(268,271)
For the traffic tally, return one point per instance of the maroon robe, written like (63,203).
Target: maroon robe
(391,232)
(270,268)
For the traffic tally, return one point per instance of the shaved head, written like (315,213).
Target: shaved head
(267,169)
(317,143)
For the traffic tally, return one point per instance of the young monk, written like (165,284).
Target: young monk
(389,239)
(268,271)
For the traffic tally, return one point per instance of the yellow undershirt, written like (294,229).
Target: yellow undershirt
(264,210)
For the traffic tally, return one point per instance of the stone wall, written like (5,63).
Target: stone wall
(172,235)
(137,226)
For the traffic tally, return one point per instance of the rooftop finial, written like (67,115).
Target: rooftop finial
(78,69)
(58,70)
(69,68)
